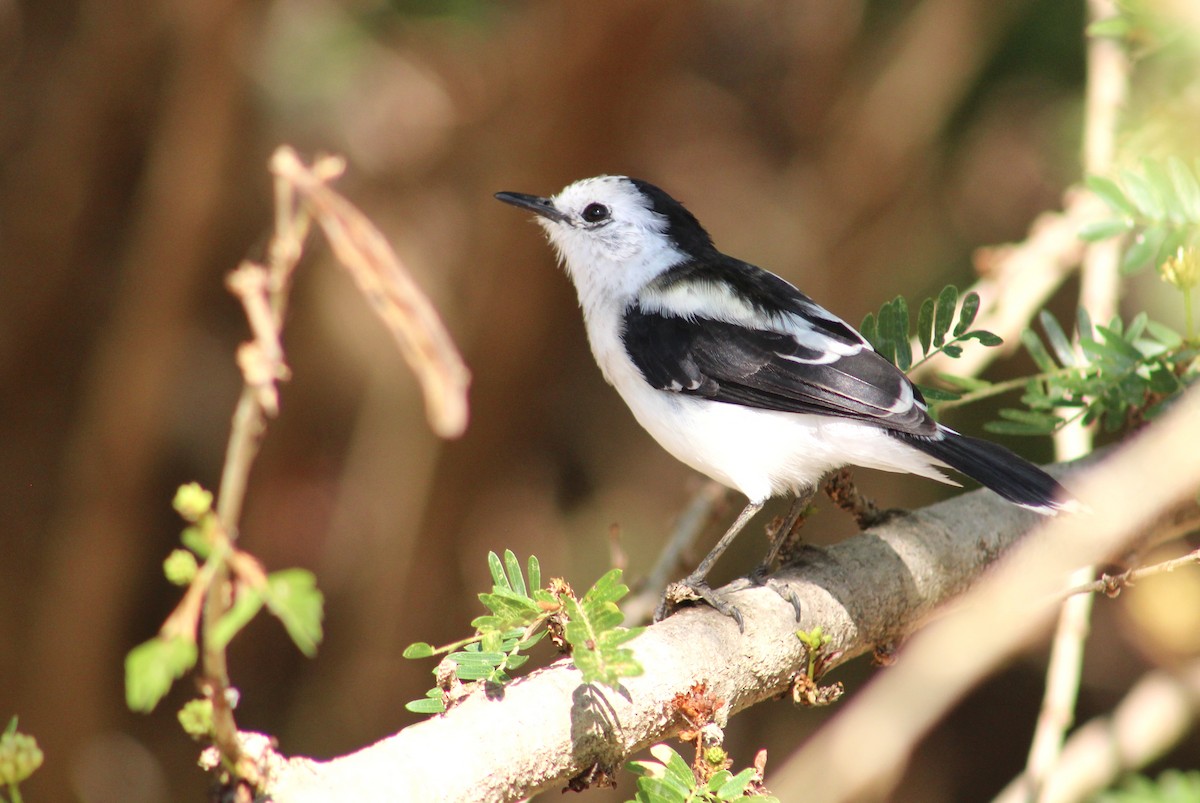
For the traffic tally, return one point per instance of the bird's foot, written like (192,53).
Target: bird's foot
(692,589)
(761,577)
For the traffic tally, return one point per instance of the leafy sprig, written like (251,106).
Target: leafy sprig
(669,779)
(888,332)
(521,613)
(1121,373)
(291,595)
(1158,205)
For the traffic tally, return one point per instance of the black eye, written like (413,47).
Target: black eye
(594,213)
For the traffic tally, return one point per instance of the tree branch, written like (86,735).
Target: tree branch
(547,728)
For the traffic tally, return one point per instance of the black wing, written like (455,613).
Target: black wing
(771,370)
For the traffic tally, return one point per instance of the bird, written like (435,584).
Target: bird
(737,373)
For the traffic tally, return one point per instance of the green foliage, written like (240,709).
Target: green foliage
(20,757)
(153,666)
(1172,786)
(814,641)
(290,595)
(669,779)
(888,332)
(520,614)
(594,633)
(1158,205)
(196,718)
(1120,374)
(180,567)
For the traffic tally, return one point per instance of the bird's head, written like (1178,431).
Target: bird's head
(614,233)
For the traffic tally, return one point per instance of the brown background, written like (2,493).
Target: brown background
(859,149)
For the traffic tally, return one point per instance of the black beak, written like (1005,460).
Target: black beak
(540,206)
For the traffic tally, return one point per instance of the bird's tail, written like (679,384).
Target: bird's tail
(997,468)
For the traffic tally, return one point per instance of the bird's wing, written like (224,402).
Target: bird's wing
(813,363)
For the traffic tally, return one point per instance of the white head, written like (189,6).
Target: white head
(614,234)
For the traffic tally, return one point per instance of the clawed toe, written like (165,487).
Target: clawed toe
(689,590)
(761,577)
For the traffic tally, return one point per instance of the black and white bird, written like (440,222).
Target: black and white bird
(737,373)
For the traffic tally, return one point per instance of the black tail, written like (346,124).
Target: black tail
(995,467)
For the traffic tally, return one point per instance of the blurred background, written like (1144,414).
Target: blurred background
(860,149)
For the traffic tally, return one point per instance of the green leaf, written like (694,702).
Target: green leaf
(925,325)
(952,351)
(431,703)
(496,568)
(293,597)
(1163,188)
(1164,334)
(985,338)
(885,346)
(966,316)
(594,633)
(247,603)
(1058,339)
(869,330)
(947,304)
(535,573)
(153,666)
(1095,230)
(1123,352)
(1141,192)
(1041,357)
(1111,194)
(1143,248)
(900,334)
(1187,190)
(1083,323)
(514,573)
(419,649)
(964,383)
(735,786)
(1138,325)
(933,394)
(477,665)
(676,768)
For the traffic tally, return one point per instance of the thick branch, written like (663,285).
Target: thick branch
(869,590)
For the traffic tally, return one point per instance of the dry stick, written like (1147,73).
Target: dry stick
(301,193)
(1108,79)
(263,295)
(392,293)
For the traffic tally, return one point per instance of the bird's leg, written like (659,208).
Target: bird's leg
(695,585)
(841,489)
(787,536)
(783,543)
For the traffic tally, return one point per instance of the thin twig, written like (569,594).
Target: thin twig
(1111,584)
